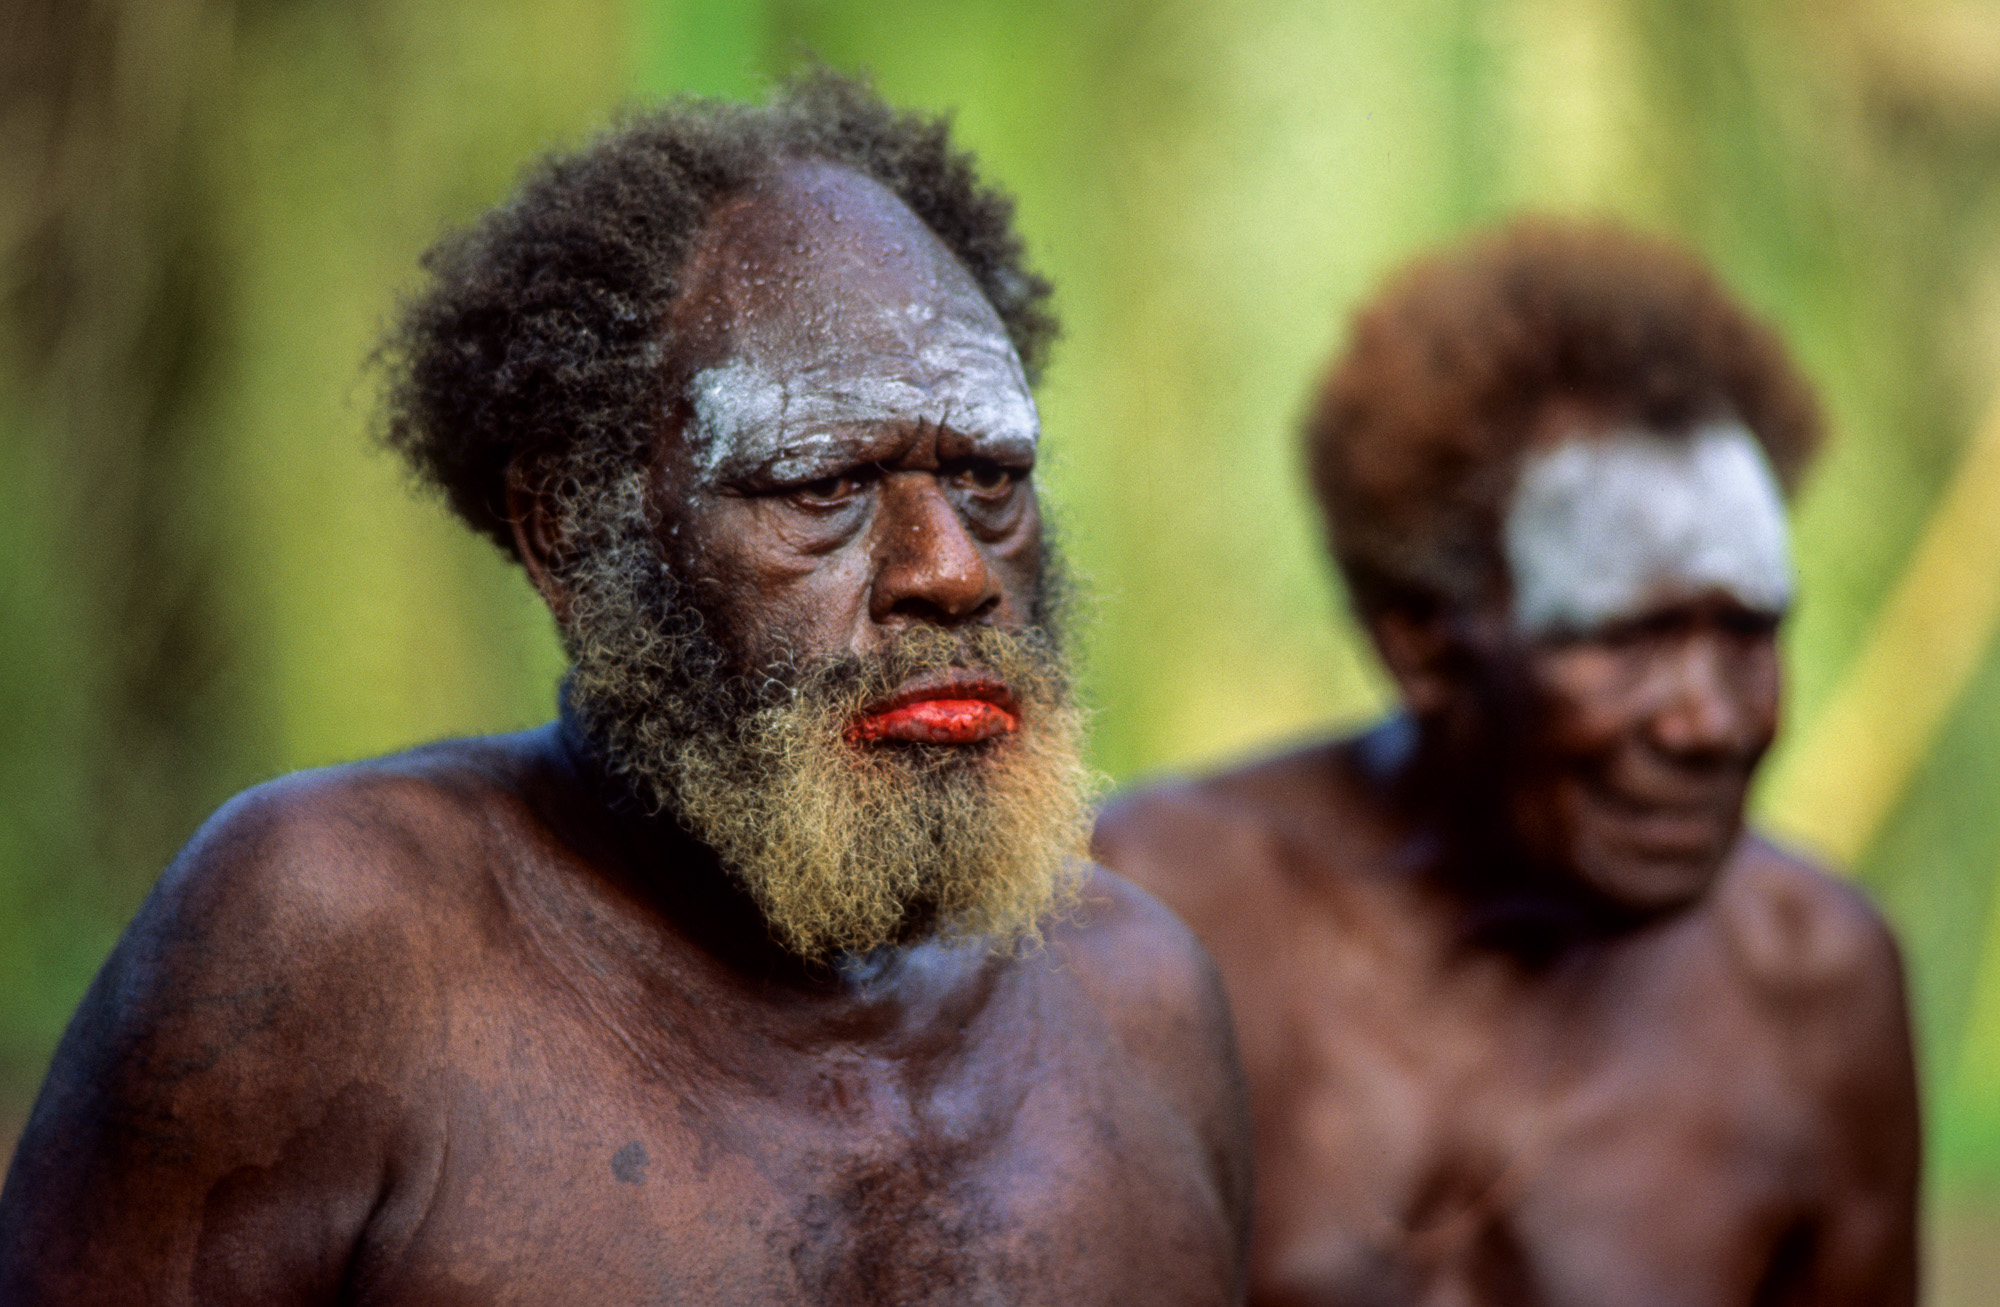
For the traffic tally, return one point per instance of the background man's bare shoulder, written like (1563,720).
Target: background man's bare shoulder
(1143,969)
(1203,844)
(226,1107)
(1814,954)
(1801,935)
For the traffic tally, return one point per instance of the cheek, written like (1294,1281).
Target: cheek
(811,612)
(1583,700)
(770,591)
(1016,558)
(1763,678)
(1759,688)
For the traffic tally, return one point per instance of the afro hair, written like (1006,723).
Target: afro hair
(539,336)
(1420,427)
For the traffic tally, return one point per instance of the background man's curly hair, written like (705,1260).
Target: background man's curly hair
(1421,425)
(540,338)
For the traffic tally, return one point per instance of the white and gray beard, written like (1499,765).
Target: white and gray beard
(844,847)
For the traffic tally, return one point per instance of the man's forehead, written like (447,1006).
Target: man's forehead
(819,259)
(820,313)
(1602,526)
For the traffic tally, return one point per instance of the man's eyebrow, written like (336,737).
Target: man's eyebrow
(987,443)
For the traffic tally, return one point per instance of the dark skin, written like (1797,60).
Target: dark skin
(1528,1017)
(452,1027)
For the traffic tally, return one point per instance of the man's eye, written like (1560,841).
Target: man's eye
(988,480)
(826,490)
(1750,623)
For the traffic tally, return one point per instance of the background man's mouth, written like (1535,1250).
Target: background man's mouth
(955,708)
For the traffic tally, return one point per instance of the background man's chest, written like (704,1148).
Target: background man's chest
(1430,1144)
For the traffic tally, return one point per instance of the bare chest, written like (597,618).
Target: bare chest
(1432,1139)
(1051,1176)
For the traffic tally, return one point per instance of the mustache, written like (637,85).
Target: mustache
(1025,659)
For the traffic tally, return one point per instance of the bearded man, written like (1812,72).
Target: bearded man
(771,973)
(1527,1016)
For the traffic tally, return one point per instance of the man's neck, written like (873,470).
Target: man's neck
(1451,808)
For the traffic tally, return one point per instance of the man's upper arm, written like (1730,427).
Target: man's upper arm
(1225,1090)
(1869,1252)
(1832,979)
(213,1126)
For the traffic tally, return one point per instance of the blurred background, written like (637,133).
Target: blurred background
(209,576)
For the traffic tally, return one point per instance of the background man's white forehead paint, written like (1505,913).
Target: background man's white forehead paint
(1600,526)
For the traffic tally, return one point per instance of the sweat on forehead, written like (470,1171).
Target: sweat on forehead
(818,304)
(1602,526)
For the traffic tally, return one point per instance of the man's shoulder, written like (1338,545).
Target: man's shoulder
(1192,839)
(1142,969)
(274,1011)
(1161,999)
(1127,942)
(1254,793)
(1799,933)
(340,840)
(328,867)
(1818,964)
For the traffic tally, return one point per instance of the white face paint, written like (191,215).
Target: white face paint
(1601,527)
(797,423)
(843,319)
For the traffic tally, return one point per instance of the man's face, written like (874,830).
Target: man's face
(811,630)
(855,454)
(1641,740)
(1649,577)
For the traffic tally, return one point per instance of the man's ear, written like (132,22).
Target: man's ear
(1420,653)
(537,539)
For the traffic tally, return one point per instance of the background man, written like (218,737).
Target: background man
(733,986)
(1527,1016)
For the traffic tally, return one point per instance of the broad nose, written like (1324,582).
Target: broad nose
(928,566)
(1705,704)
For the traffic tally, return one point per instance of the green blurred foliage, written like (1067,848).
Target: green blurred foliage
(211,576)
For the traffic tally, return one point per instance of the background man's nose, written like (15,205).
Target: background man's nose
(1700,708)
(928,567)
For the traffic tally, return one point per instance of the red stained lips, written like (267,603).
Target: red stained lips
(956,708)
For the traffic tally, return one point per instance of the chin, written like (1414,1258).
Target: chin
(1651,886)
(1651,880)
